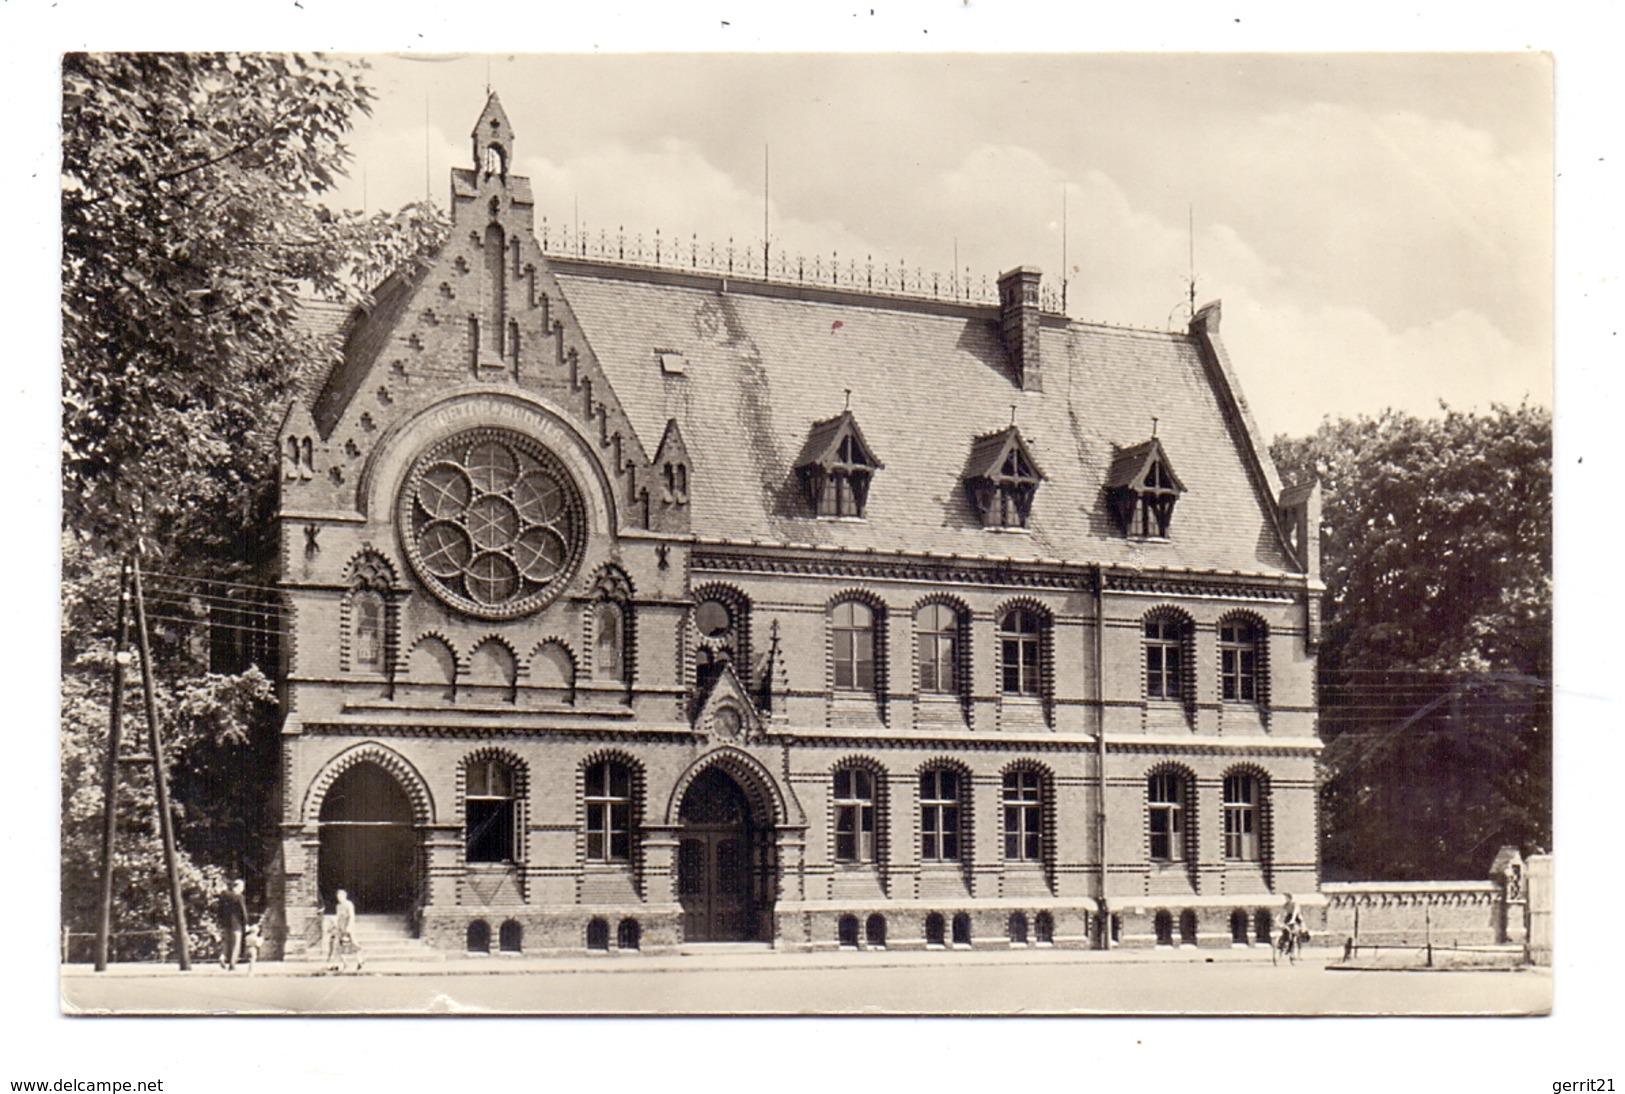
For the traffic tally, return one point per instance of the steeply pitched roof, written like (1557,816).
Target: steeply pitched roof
(365,337)
(928,377)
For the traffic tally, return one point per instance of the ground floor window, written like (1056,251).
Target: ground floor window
(875,930)
(598,934)
(490,811)
(609,812)
(847,931)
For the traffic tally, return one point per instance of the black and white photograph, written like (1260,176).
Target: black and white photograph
(949,533)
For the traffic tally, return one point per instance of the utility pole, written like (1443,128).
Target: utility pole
(115,725)
(160,776)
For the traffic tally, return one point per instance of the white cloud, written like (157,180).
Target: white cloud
(1299,364)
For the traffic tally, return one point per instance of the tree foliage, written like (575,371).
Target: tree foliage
(1436,659)
(189,229)
(191,232)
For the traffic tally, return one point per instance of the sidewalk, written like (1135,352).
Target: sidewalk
(502,964)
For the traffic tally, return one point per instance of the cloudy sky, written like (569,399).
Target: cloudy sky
(1377,226)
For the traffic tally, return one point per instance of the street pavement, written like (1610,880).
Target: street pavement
(1241,981)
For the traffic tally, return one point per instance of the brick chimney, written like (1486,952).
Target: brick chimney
(1018,324)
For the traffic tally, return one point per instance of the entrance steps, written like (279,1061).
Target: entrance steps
(385,938)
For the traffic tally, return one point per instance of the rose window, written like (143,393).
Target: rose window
(493,523)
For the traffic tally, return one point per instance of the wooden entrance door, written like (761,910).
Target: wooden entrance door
(724,863)
(714,885)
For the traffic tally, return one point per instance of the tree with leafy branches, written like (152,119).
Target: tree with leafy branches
(1435,669)
(193,231)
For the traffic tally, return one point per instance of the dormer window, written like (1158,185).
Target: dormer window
(1143,488)
(835,467)
(1001,479)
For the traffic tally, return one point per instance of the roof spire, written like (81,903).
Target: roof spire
(493,139)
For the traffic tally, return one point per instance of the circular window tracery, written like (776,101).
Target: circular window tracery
(493,523)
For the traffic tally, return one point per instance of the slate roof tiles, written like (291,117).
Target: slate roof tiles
(763,367)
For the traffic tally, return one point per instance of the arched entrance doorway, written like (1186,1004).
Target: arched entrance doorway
(368,847)
(726,865)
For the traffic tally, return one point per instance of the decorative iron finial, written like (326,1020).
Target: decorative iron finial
(1153,427)
(1012,413)
(848,398)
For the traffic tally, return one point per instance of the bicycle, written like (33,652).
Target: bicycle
(1289,944)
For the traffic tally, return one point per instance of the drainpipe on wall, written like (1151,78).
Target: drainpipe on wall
(1105,940)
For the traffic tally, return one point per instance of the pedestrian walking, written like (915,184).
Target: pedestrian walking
(232,911)
(342,943)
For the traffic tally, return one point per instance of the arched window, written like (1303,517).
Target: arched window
(609,812)
(1044,928)
(1165,795)
(1238,661)
(1187,928)
(609,640)
(628,935)
(874,931)
(1241,826)
(961,929)
(852,625)
(597,934)
(1023,816)
(937,636)
(1018,928)
(1021,652)
(1163,924)
(854,815)
(935,929)
(489,811)
(848,931)
(1164,657)
(511,937)
(367,650)
(939,815)
(479,937)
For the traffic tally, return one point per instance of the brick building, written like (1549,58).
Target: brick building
(629,606)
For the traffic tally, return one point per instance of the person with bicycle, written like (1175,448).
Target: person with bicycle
(1292,931)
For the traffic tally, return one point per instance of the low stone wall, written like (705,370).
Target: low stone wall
(1414,913)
